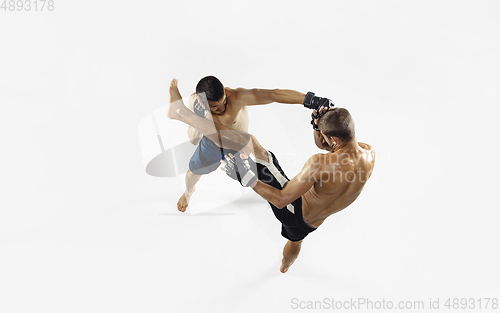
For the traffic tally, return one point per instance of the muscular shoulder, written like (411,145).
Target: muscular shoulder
(239,94)
(365,146)
(369,149)
(237,98)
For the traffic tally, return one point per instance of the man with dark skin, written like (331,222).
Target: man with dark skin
(228,107)
(328,183)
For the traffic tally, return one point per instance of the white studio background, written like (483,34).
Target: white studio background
(83,228)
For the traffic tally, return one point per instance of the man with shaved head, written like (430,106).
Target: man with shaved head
(328,182)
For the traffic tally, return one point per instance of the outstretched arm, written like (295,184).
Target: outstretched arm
(295,188)
(265,96)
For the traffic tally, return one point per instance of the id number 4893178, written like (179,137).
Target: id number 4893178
(27,5)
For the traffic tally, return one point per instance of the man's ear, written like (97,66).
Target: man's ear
(335,140)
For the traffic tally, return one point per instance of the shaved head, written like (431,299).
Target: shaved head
(337,122)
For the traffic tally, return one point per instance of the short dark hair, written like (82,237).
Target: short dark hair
(212,87)
(338,123)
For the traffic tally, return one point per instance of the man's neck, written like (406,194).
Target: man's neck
(351,144)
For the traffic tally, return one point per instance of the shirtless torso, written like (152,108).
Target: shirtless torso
(230,113)
(343,172)
(328,183)
(343,176)
(234,115)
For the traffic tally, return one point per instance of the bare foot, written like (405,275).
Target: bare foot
(290,254)
(286,263)
(183,202)
(176,105)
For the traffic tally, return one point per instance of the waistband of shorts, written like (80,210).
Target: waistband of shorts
(301,221)
(307,223)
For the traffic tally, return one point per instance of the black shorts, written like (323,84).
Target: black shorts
(294,226)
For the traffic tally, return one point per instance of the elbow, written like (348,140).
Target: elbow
(275,95)
(273,195)
(280,205)
(280,202)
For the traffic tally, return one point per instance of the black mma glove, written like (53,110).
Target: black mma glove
(313,117)
(240,170)
(198,109)
(315,103)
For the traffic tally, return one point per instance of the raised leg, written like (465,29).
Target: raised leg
(191,180)
(290,254)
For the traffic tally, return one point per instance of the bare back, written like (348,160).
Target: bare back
(343,176)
